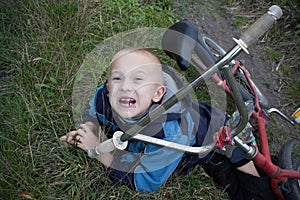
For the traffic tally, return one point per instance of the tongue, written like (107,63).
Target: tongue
(130,102)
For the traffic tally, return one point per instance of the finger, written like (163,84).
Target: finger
(80,132)
(63,138)
(71,136)
(84,127)
(76,141)
(81,146)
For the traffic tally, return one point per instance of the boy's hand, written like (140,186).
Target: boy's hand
(83,138)
(69,137)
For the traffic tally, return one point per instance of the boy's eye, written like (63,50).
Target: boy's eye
(116,78)
(138,79)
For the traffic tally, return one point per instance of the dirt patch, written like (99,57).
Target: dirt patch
(264,73)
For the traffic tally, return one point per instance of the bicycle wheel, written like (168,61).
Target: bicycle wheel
(295,184)
(291,189)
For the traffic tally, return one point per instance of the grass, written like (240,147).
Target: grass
(43,44)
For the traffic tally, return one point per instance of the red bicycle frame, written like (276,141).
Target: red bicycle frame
(263,157)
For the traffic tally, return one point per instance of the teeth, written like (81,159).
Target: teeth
(129,101)
(124,101)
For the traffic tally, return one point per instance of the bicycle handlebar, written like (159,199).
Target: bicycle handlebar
(262,25)
(248,38)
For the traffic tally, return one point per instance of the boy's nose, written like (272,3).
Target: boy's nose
(126,85)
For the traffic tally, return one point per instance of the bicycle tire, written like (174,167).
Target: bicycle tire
(291,189)
(295,184)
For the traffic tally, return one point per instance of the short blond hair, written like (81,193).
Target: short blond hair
(140,51)
(130,50)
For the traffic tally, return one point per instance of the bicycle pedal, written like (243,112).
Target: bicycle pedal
(296,116)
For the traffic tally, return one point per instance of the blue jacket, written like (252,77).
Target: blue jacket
(145,167)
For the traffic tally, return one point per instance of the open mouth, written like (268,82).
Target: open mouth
(128,102)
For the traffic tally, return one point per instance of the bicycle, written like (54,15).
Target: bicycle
(251,104)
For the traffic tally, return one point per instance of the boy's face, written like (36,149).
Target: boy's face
(135,81)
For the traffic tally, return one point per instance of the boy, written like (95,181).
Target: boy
(136,85)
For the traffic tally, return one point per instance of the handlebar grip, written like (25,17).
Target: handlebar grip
(262,25)
(104,147)
(109,145)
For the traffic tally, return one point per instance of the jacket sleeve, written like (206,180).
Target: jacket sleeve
(151,165)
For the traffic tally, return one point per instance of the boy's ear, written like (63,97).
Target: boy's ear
(161,90)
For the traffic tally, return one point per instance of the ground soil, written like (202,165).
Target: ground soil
(263,71)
